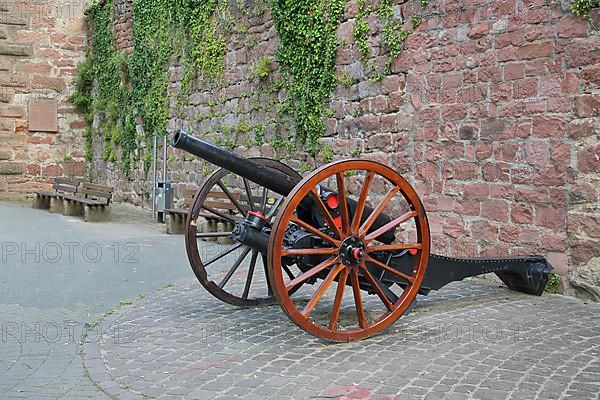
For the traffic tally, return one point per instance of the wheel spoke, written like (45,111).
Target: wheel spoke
(377,212)
(388,268)
(388,304)
(220,214)
(287,270)
(231,197)
(390,225)
(250,274)
(235,266)
(314,231)
(322,289)
(362,201)
(343,203)
(223,254)
(394,247)
(309,252)
(212,234)
(326,214)
(337,304)
(274,208)
(249,194)
(360,311)
(266,269)
(311,272)
(263,206)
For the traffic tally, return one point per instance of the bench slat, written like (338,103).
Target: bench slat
(45,194)
(190,192)
(207,215)
(83,200)
(96,187)
(214,199)
(221,195)
(67,181)
(219,205)
(94,193)
(65,188)
(176,211)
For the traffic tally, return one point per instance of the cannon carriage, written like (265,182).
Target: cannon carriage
(345,251)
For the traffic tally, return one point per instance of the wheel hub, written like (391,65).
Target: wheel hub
(352,251)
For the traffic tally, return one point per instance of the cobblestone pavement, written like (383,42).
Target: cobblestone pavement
(50,288)
(470,340)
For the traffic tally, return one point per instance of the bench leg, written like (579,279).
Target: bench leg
(72,208)
(96,213)
(229,226)
(57,205)
(211,226)
(202,226)
(41,202)
(175,224)
(224,227)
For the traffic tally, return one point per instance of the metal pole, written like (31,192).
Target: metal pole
(165,158)
(154,140)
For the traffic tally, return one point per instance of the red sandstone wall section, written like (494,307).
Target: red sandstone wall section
(41,43)
(506,96)
(492,112)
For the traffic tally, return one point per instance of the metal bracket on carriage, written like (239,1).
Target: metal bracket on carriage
(254,231)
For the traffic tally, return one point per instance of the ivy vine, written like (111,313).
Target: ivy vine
(582,8)
(126,90)
(122,91)
(393,38)
(306,55)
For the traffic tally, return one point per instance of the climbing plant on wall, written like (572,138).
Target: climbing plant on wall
(582,8)
(306,55)
(124,90)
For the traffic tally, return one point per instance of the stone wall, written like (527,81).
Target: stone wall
(41,43)
(492,112)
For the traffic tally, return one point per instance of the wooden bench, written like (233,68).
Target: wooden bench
(53,201)
(91,201)
(221,203)
(176,216)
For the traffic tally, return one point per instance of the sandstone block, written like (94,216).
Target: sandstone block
(587,105)
(16,50)
(11,168)
(588,160)
(97,213)
(496,210)
(535,50)
(11,18)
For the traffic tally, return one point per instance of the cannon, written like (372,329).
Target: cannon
(344,251)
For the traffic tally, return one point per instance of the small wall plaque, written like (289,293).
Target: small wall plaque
(43,116)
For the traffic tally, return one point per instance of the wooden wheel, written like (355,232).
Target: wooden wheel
(233,272)
(351,249)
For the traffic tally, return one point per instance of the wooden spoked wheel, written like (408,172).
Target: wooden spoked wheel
(363,301)
(232,272)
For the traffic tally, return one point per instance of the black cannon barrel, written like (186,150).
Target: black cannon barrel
(271,179)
